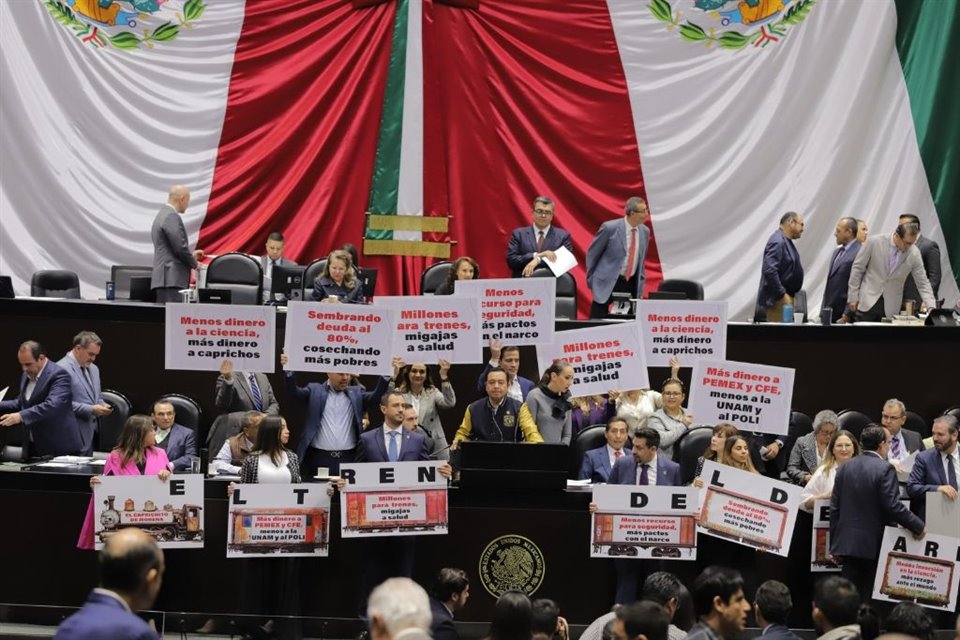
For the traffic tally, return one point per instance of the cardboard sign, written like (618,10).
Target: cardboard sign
(751,397)
(923,571)
(339,338)
(433,327)
(278,520)
(171,511)
(943,514)
(820,558)
(198,337)
(689,329)
(644,522)
(393,499)
(517,311)
(604,358)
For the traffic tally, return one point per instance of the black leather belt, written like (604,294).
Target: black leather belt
(335,454)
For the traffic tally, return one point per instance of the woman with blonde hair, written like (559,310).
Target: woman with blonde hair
(714,452)
(339,281)
(843,446)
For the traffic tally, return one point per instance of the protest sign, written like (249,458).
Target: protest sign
(171,511)
(820,558)
(751,397)
(748,508)
(393,499)
(339,338)
(644,522)
(688,329)
(516,311)
(198,337)
(604,358)
(942,514)
(433,327)
(279,520)
(923,571)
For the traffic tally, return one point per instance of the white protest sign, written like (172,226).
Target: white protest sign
(339,338)
(198,337)
(604,358)
(942,514)
(923,571)
(393,499)
(516,311)
(820,558)
(644,522)
(171,510)
(688,329)
(433,327)
(279,520)
(751,397)
(748,508)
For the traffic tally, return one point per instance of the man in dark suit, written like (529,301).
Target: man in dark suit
(838,277)
(771,606)
(930,254)
(936,469)
(274,257)
(865,498)
(88,404)
(44,406)
(508,359)
(172,258)
(529,246)
(615,257)
(131,572)
(903,442)
(244,391)
(782,274)
(449,594)
(598,463)
(178,441)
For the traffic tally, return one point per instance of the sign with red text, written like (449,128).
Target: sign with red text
(820,558)
(198,337)
(430,328)
(517,311)
(926,571)
(278,520)
(687,329)
(748,508)
(604,358)
(170,510)
(638,522)
(339,338)
(393,499)
(751,397)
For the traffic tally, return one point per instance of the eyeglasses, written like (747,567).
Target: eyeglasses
(543,212)
(891,418)
(672,393)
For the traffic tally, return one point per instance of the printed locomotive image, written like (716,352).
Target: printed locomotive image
(279,530)
(380,511)
(166,525)
(666,535)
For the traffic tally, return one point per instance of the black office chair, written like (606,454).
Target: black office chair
(13,444)
(121,276)
(589,438)
(433,276)
(111,426)
(187,410)
(853,421)
(916,422)
(313,271)
(800,424)
(690,288)
(56,283)
(953,411)
(565,304)
(690,446)
(238,273)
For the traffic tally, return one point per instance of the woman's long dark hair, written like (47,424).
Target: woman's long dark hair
(130,444)
(402,381)
(452,274)
(268,438)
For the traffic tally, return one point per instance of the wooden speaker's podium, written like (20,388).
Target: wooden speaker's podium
(510,465)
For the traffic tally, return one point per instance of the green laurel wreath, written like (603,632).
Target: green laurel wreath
(693,32)
(192,10)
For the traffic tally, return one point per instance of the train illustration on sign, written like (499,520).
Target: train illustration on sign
(394,516)
(281,530)
(606,533)
(168,524)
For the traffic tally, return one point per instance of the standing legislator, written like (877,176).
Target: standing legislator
(88,403)
(838,277)
(929,254)
(172,258)
(615,257)
(530,245)
(782,274)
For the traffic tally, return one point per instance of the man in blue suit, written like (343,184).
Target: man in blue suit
(771,606)
(615,257)
(88,404)
(598,463)
(131,572)
(838,278)
(531,245)
(782,274)
(44,406)
(937,469)
(178,441)
(449,594)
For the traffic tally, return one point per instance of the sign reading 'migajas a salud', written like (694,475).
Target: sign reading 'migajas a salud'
(393,499)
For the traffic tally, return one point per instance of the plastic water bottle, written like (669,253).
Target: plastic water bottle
(788,314)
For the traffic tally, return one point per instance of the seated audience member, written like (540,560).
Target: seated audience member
(599,462)
(497,417)
(767,454)
(273,258)
(549,403)
(419,389)
(507,359)
(131,572)
(588,411)
(339,281)
(843,446)
(529,246)
(903,442)
(244,391)
(411,423)
(643,620)
(235,449)
(937,469)
(671,421)
(771,606)
(399,608)
(720,604)
(636,405)
(464,268)
(602,628)
(912,620)
(836,605)
(714,451)
(809,451)
(512,617)
(449,594)
(547,619)
(736,454)
(178,441)
(665,589)
(271,461)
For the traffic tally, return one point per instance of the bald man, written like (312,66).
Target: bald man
(172,257)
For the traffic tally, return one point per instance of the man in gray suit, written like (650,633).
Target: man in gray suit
(879,272)
(903,442)
(615,257)
(930,254)
(172,258)
(88,404)
(245,391)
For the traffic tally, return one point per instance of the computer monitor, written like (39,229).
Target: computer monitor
(140,290)
(286,283)
(368,278)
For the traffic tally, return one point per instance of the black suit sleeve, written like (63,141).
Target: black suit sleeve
(931,263)
(889,492)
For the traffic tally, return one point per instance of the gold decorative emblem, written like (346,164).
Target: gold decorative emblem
(509,420)
(512,563)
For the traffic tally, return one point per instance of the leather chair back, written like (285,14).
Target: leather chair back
(690,446)
(240,274)
(853,421)
(589,438)
(55,283)
(311,273)
(433,276)
(188,412)
(121,274)
(565,305)
(690,288)
(112,425)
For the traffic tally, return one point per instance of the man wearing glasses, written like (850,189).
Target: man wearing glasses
(531,245)
(782,274)
(903,442)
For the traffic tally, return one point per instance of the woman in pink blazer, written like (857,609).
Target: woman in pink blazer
(134,455)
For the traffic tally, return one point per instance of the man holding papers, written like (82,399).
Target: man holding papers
(530,245)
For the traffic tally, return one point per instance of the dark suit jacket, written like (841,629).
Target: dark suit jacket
(526,384)
(523,244)
(625,471)
(778,632)
(172,258)
(927,475)
(48,414)
(866,498)
(237,396)
(104,617)
(180,445)
(930,254)
(372,448)
(442,627)
(781,272)
(596,465)
(838,279)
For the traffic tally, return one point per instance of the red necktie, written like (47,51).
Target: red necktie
(617,454)
(632,255)
(540,242)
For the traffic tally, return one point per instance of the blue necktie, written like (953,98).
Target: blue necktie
(255,390)
(951,473)
(392,451)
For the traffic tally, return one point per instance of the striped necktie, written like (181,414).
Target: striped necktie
(255,390)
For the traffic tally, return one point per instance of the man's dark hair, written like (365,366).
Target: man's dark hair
(34,347)
(495,370)
(661,587)
(712,582)
(276,236)
(614,420)
(652,436)
(872,438)
(838,600)
(505,350)
(645,618)
(448,582)
(511,617)
(125,572)
(385,398)
(909,218)
(789,216)
(850,224)
(84,338)
(912,620)
(545,615)
(774,601)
